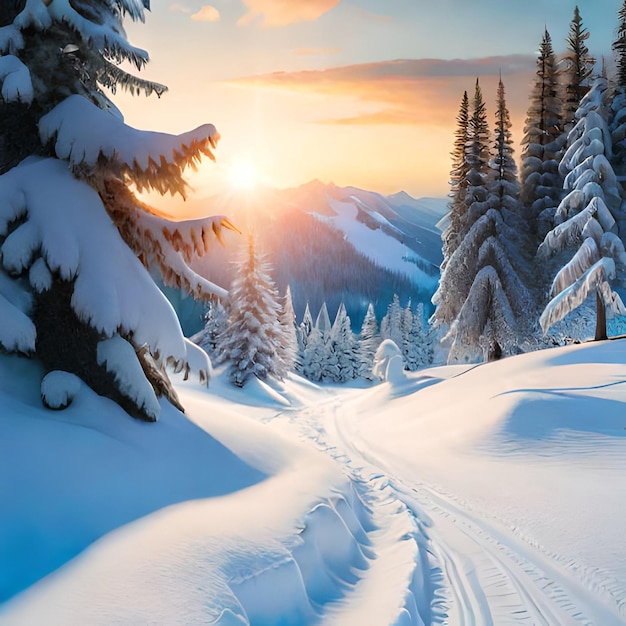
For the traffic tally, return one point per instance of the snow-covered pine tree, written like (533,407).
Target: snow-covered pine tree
(481,296)
(343,342)
(320,361)
(303,331)
(368,342)
(288,350)
(619,46)
(455,279)
(477,156)
(543,138)
(73,290)
(588,219)
(418,348)
(391,324)
(322,322)
(254,338)
(314,356)
(458,183)
(216,322)
(407,325)
(503,184)
(577,70)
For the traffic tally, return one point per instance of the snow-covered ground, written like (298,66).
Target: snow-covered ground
(492,494)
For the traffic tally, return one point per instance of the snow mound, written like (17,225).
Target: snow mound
(58,389)
(79,474)
(519,458)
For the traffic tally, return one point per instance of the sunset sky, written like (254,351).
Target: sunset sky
(357,92)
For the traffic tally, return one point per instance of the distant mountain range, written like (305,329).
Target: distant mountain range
(331,244)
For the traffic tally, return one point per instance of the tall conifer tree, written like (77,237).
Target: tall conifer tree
(73,236)
(577,69)
(617,122)
(481,296)
(455,282)
(543,137)
(458,182)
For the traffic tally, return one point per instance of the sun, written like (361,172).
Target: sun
(243,174)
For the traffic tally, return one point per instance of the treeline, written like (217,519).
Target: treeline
(523,252)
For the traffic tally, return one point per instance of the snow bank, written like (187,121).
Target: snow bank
(265,531)
(530,450)
(69,478)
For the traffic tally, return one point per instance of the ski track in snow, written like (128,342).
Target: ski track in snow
(475,572)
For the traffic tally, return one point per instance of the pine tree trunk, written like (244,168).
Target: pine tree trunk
(600,319)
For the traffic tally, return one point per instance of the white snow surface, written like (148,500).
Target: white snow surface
(491,494)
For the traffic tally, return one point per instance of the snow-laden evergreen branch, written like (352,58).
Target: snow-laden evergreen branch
(106,34)
(11,39)
(16,81)
(83,134)
(166,245)
(463,265)
(492,253)
(586,256)
(67,227)
(113,77)
(595,279)
(486,302)
(567,234)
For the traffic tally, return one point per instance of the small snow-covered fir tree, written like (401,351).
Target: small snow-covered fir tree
(543,139)
(588,219)
(368,342)
(418,348)
(391,324)
(254,338)
(343,343)
(314,356)
(288,350)
(75,242)
(322,322)
(216,322)
(302,334)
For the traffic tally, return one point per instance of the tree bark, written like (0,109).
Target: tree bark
(600,319)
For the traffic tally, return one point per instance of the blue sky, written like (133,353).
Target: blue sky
(358,92)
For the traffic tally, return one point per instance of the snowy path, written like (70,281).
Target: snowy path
(477,571)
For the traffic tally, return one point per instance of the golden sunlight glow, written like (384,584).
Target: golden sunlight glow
(243,174)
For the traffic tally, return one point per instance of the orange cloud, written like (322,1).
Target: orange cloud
(284,12)
(207,13)
(407,91)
